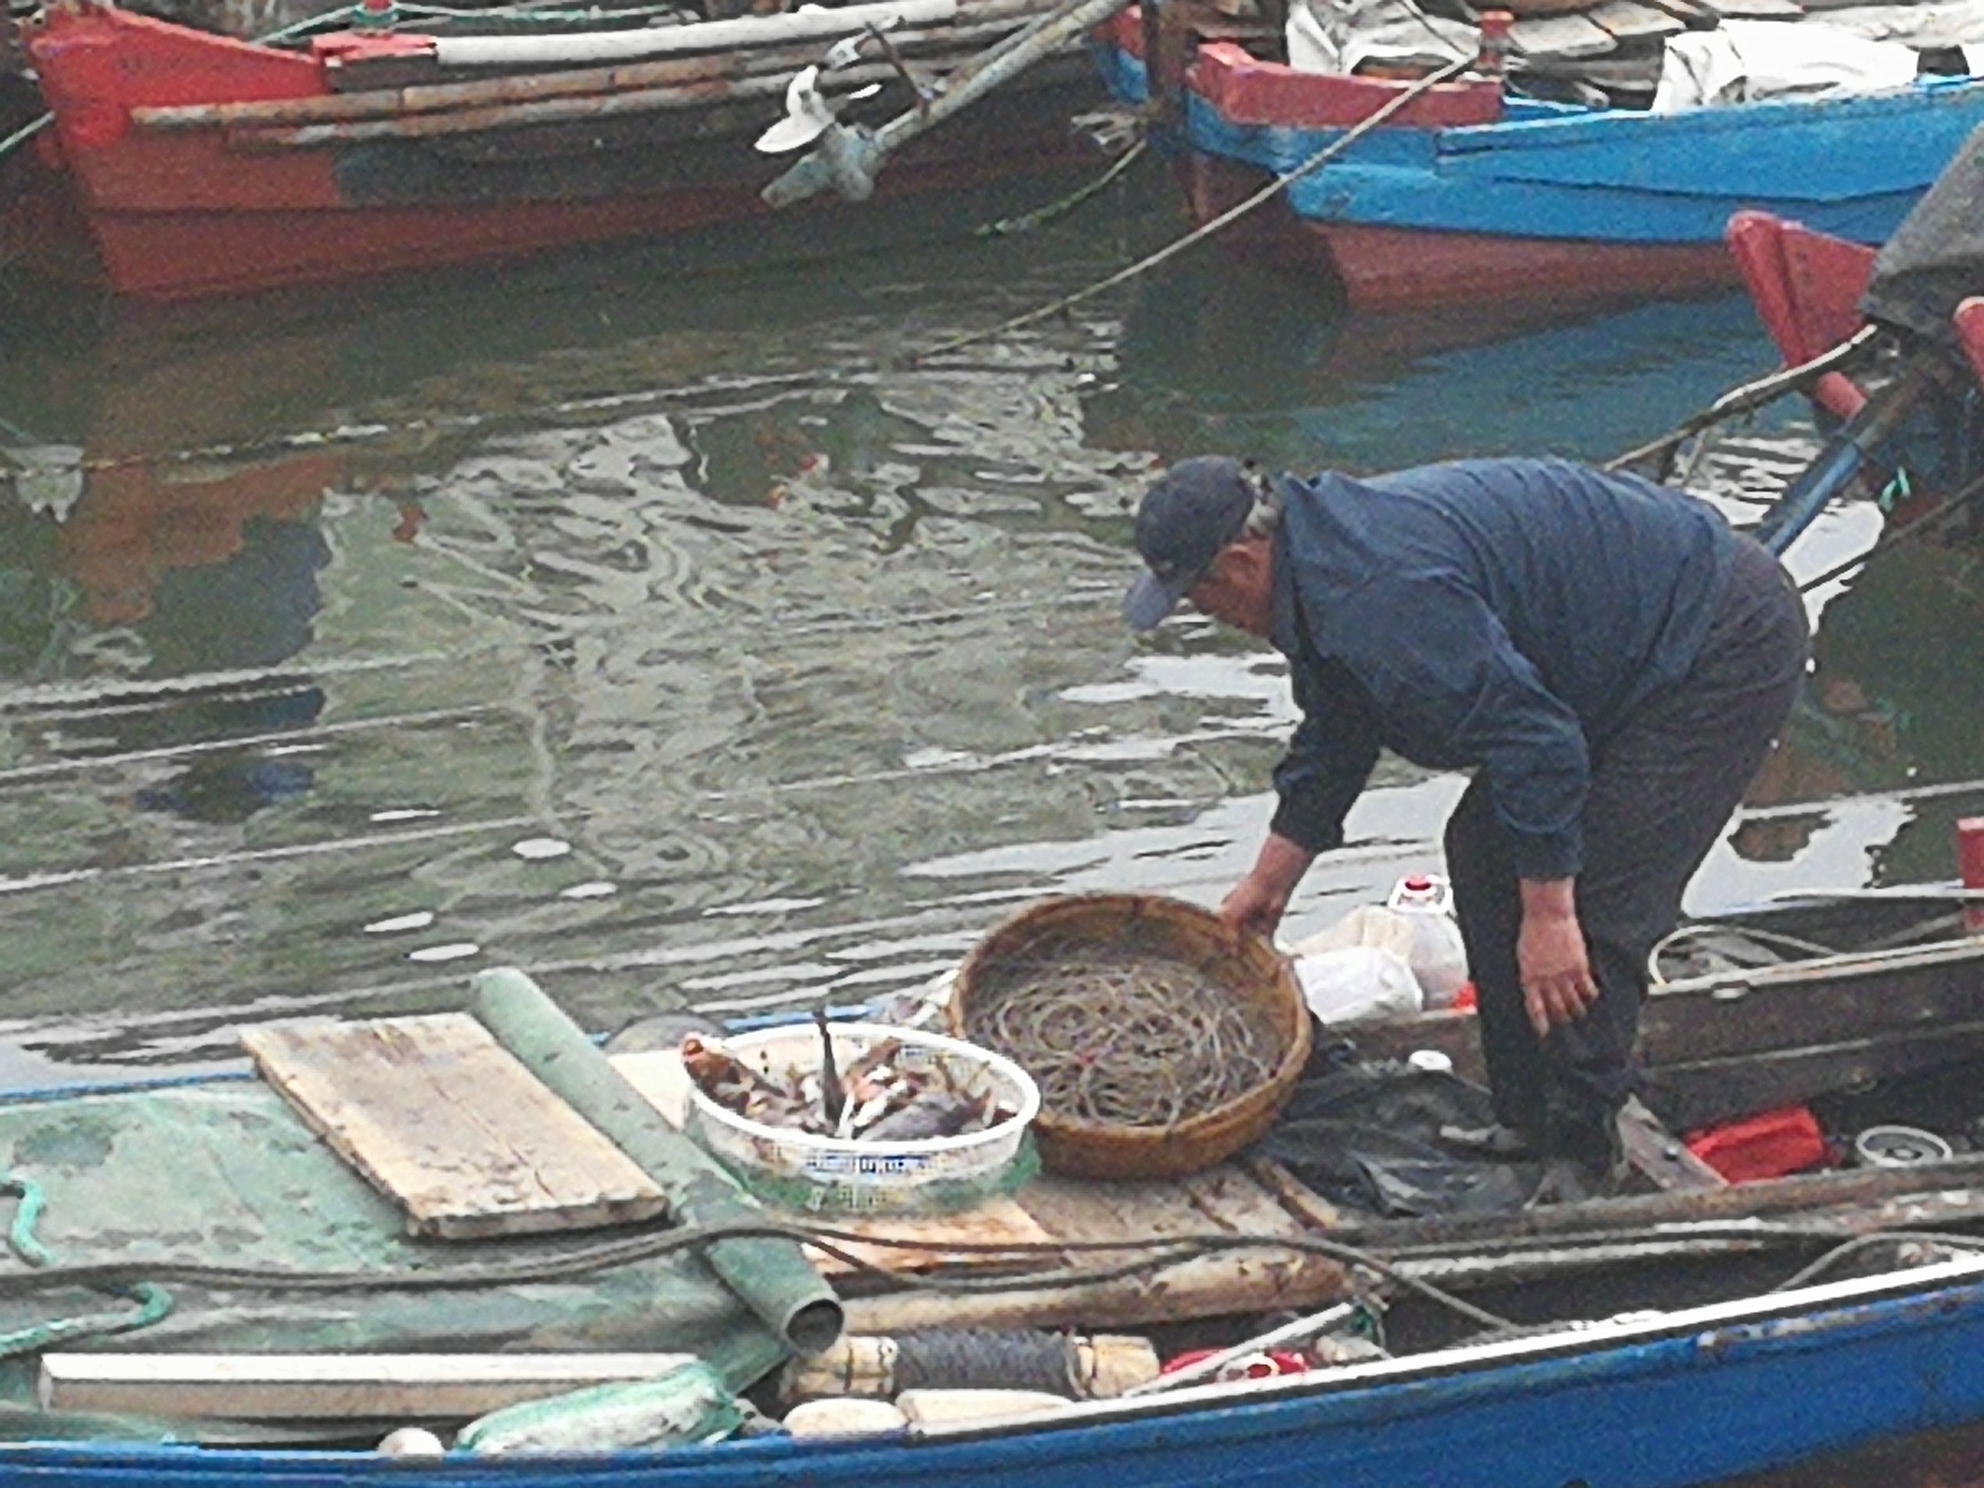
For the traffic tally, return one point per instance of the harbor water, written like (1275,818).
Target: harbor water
(693,642)
(709,642)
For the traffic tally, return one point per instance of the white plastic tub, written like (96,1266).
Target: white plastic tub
(798,1169)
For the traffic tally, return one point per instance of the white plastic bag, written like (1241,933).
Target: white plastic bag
(1360,968)
(1357,984)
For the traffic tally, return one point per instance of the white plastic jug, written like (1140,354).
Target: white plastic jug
(1438,959)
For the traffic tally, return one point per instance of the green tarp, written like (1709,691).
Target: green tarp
(224,1173)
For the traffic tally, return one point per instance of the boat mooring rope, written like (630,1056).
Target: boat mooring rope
(1061,206)
(1206,229)
(25,133)
(440,425)
(1751,396)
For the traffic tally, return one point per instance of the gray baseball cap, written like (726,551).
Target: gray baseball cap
(1194,509)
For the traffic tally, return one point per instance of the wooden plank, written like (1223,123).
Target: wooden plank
(1790,1007)
(1628,20)
(1214,1285)
(1756,10)
(1704,1092)
(1745,1042)
(1307,1207)
(445,1121)
(1658,1156)
(1223,1200)
(1690,12)
(322,1387)
(1847,1189)
(1560,36)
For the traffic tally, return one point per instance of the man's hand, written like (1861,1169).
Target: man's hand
(1551,960)
(1257,903)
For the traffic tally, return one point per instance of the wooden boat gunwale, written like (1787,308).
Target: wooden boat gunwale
(1394,1394)
(1569,1341)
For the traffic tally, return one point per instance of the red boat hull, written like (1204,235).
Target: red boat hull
(1386,270)
(184,212)
(188,254)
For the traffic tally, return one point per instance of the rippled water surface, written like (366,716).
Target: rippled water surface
(685,643)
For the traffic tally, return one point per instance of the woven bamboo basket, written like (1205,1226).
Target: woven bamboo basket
(1244,964)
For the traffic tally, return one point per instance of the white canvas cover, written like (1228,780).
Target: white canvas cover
(1746,61)
(1339,36)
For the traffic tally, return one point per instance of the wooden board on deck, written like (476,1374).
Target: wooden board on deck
(1224,1201)
(659,1076)
(1757,10)
(327,1387)
(1560,36)
(450,1125)
(1693,13)
(1628,20)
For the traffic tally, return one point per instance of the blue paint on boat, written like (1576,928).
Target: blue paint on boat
(1665,1402)
(1122,74)
(1848,166)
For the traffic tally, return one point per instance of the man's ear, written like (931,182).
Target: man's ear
(1247,562)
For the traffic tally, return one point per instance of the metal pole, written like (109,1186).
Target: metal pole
(848,159)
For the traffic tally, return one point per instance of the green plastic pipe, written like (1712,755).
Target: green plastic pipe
(772,1277)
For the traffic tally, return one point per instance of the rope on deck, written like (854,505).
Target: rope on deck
(153,1302)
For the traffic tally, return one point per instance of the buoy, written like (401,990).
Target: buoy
(411,1441)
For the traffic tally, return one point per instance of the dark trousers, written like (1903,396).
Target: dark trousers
(1663,786)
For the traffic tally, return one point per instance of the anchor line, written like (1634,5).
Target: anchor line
(1206,229)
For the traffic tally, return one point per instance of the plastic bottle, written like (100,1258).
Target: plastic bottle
(1438,959)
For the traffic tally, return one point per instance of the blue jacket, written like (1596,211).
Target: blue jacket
(1505,614)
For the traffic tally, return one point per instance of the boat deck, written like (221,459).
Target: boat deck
(1252,1197)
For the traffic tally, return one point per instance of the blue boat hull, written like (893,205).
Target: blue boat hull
(1851,167)
(1554,202)
(1685,1400)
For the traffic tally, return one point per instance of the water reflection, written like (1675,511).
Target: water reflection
(689,645)
(1215,357)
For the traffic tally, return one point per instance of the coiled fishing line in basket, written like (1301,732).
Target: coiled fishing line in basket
(1122,1036)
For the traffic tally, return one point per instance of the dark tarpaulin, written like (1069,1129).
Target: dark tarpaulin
(1935,259)
(1366,1135)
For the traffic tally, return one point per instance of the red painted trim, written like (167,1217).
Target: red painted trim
(289,228)
(96,65)
(1969,322)
(1756,243)
(341,47)
(1124,31)
(1388,270)
(1806,287)
(1248,91)
(1970,846)
(190,254)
